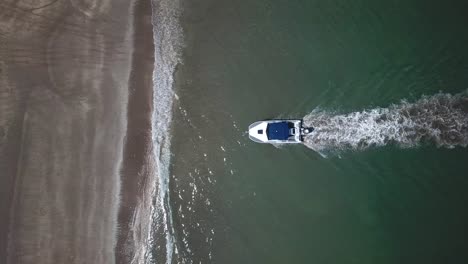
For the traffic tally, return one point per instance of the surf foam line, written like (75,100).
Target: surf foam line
(441,119)
(168,40)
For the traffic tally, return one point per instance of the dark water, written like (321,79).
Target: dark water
(235,201)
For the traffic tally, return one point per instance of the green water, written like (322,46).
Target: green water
(251,60)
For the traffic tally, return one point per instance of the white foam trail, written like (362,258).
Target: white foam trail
(441,119)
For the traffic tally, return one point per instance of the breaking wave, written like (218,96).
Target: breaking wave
(441,119)
(153,227)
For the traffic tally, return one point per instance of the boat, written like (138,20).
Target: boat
(279,131)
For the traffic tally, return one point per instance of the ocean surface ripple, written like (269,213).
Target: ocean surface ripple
(441,119)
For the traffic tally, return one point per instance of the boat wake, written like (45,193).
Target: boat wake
(441,119)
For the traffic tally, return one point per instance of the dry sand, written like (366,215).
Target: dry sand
(65,77)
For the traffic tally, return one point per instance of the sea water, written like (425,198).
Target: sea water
(383,82)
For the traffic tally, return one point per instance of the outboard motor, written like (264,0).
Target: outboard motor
(306,130)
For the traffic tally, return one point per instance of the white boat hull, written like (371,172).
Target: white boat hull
(280,131)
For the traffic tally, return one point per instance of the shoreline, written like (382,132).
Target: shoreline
(135,170)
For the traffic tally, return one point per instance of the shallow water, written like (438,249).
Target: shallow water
(391,72)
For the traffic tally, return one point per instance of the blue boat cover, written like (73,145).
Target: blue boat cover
(279,131)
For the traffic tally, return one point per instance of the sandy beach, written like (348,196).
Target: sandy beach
(136,165)
(66,160)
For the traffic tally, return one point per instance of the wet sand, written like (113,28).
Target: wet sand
(136,166)
(65,80)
